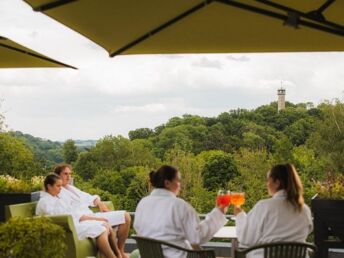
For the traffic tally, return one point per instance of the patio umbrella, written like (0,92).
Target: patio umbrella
(13,55)
(202,26)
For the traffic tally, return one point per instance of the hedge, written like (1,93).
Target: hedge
(31,238)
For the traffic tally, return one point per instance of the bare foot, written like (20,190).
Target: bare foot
(124,255)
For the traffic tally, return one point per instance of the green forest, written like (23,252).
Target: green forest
(233,150)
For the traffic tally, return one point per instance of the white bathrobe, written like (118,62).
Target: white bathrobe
(80,201)
(52,205)
(273,220)
(163,216)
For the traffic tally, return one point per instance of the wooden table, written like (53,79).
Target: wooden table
(228,232)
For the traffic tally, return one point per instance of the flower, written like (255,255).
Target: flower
(9,184)
(332,187)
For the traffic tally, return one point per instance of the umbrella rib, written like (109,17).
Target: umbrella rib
(52,5)
(282,17)
(37,56)
(312,15)
(162,27)
(325,5)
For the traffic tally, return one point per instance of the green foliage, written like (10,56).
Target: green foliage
(283,150)
(202,199)
(141,133)
(10,184)
(256,136)
(219,168)
(170,138)
(86,165)
(299,131)
(189,168)
(192,190)
(31,238)
(16,159)
(114,153)
(129,173)
(253,166)
(125,188)
(88,187)
(142,154)
(69,151)
(309,167)
(110,181)
(307,163)
(331,187)
(46,152)
(328,138)
(138,187)
(2,118)
(216,138)
(252,140)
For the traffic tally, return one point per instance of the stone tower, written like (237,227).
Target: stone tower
(281,99)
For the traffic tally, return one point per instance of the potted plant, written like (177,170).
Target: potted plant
(13,191)
(328,211)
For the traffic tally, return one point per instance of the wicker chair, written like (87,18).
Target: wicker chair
(152,248)
(280,250)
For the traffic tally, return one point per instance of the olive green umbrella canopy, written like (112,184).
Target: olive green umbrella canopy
(202,26)
(13,55)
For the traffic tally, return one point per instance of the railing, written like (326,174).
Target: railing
(202,216)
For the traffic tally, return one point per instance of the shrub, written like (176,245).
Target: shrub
(31,238)
(332,187)
(9,184)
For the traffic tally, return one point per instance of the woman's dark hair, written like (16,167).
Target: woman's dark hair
(60,167)
(290,182)
(165,172)
(50,179)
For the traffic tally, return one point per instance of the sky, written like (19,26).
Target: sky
(115,95)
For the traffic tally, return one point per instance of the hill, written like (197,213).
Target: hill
(46,152)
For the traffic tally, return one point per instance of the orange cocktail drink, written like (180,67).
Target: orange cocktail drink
(223,198)
(237,199)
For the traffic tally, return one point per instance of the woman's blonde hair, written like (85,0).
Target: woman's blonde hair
(290,182)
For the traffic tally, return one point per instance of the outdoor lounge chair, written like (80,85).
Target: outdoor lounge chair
(280,250)
(152,248)
(75,248)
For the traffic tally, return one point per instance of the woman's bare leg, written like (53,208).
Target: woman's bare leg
(104,245)
(123,231)
(113,243)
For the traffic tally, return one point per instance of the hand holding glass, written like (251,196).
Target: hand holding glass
(237,198)
(223,198)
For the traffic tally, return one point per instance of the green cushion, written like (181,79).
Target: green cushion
(135,254)
(21,210)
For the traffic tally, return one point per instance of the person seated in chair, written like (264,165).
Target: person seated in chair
(87,226)
(81,201)
(283,218)
(164,216)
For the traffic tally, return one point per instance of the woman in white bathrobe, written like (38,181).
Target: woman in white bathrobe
(85,225)
(164,216)
(282,218)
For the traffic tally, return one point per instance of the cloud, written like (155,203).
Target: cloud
(174,56)
(238,59)
(150,108)
(207,63)
(116,95)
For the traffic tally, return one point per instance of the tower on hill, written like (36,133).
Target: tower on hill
(281,99)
